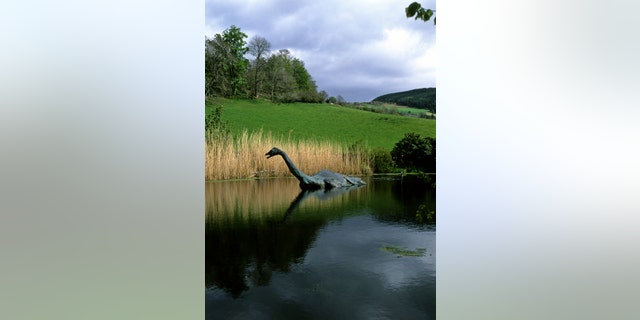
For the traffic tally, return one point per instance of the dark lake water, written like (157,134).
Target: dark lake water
(275,252)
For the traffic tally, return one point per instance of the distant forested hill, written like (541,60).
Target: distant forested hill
(424,98)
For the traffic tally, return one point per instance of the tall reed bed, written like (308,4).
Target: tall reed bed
(243,156)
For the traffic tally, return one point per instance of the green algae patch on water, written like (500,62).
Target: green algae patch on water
(403,251)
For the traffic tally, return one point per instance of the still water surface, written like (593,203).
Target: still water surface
(276,252)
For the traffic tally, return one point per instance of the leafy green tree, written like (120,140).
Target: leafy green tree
(259,47)
(280,77)
(307,89)
(238,64)
(300,74)
(416,9)
(288,80)
(217,55)
(323,95)
(225,65)
(415,153)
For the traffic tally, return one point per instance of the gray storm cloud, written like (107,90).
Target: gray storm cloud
(356,49)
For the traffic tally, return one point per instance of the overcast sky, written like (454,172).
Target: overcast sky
(359,49)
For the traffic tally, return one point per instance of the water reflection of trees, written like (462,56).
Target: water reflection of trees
(252,251)
(398,200)
(255,228)
(414,192)
(247,240)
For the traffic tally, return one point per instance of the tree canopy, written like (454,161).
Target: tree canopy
(277,76)
(416,10)
(415,153)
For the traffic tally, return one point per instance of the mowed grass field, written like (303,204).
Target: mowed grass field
(320,122)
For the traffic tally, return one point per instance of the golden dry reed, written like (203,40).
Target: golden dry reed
(244,157)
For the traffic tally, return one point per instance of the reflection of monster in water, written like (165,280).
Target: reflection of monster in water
(242,252)
(320,194)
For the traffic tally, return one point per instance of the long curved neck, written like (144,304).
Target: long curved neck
(303,178)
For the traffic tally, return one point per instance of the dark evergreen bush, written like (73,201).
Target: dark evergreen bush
(415,153)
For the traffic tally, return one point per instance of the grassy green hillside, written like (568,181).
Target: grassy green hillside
(391,108)
(424,98)
(321,122)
